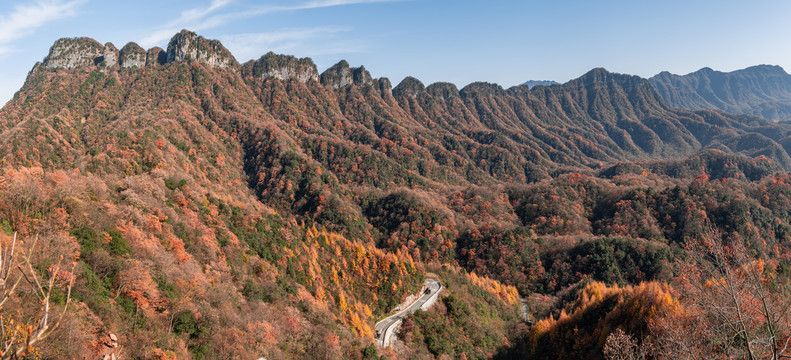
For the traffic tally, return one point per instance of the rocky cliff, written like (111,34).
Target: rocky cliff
(341,75)
(70,53)
(187,45)
(132,55)
(283,67)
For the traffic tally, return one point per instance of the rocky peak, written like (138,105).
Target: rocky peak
(340,75)
(664,75)
(384,85)
(187,45)
(156,56)
(483,88)
(766,70)
(410,86)
(132,55)
(601,77)
(597,75)
(281,67)
(361,76)
(444,90)
(706,70)
(70,53)
(110,57)
(521,90)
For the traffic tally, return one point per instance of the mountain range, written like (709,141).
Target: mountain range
(762,91)
(218,209)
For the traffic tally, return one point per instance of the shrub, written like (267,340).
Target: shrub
(118,244)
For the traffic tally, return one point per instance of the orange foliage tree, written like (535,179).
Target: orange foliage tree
(582,328)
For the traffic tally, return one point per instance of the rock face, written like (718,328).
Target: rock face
(186,45)
(132,55)
(283,67)
(340,75)
(762,90)
(70,53)
(361,76)
(110,57)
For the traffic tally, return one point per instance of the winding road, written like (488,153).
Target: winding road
(386,328)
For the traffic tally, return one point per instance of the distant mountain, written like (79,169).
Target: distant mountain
(533,83)
(762,90)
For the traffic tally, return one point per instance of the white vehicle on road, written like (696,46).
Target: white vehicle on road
(386,327)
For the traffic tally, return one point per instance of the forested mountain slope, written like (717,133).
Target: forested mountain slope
(267,209)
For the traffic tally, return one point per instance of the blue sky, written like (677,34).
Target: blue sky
(461,41)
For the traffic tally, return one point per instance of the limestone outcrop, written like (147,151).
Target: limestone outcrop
(341,75)
(283,67)
(132,55)
(187,45)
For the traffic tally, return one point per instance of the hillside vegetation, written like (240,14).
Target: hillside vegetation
(217,209)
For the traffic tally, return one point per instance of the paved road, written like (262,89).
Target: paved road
(385,328)
(525,312)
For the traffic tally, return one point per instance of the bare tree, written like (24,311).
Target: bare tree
(18,337)
(734,308)
(621,346)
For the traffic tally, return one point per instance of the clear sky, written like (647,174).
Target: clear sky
(461,41)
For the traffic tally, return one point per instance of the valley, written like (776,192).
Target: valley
(217,209)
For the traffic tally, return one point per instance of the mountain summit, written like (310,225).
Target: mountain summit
(71,53)
(188,45)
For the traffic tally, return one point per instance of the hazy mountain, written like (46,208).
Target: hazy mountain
(532,83)
(762,90)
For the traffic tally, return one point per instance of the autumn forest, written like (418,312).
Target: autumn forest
(196,207)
